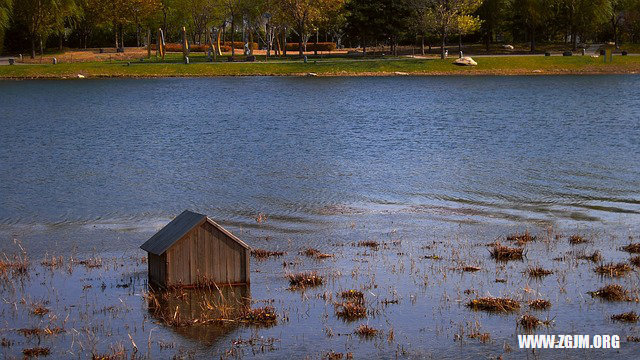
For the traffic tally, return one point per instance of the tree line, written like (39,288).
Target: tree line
(39,24)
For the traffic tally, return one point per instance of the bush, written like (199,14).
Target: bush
(321,46)
(177,47)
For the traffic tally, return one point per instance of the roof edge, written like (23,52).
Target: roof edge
(228,233)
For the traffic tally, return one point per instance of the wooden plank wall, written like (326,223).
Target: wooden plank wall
(206,254)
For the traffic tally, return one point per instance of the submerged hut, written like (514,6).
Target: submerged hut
(194,250)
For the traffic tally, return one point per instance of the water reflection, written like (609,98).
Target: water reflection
(202,314)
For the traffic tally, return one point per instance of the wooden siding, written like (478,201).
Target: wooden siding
(205,254)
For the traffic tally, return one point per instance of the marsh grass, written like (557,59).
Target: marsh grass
(538,272)
(494,304)
(505,253)
(633,248)
(529,322)
(540,304)
(522,239)
(315,253)
(262,316)
(304,280)
(353,295)
(612,292)
(595,257)
(613,270)
(351,311)
(262,254)
(366,331)
(577,239)
(630,317)
(36,352)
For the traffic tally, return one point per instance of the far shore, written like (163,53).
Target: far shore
(173,66)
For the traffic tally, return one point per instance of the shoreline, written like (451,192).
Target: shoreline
(487,66)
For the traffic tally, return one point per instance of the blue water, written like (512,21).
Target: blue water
(125,153)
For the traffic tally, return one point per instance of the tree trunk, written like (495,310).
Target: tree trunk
(444,40)
(284,42)
(115,27)
(301,43)
(60,39)
(33,46)
(459,42)
(532,38)
(422,45)
(233,37)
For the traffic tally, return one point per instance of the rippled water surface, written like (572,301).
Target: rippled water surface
(432,169)
(129,154)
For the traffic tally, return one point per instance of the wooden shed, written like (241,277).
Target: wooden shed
(194,250)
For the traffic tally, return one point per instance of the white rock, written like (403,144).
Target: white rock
(507,47)
(465,61)
(80,76)
(312,74)
(400,73)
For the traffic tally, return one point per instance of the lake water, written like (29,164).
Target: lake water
(129,154)
(431,168)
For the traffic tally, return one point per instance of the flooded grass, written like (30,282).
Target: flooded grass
(538,272)
(595,257)
(577,239)
(351,311)
(315,253)
(522,239)
(612,292)
(36,352)
(629,317)
(262,254)
(366,331)
(613,270)
(505,253)
(304,280)
(633,248)
(529,322)
(263,316)
(494,304)
(373,245)
(109,297)
(540,304)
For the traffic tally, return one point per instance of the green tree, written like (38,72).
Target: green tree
(531,14)
(444,17)
(492,13)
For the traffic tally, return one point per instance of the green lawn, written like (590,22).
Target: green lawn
(331,67)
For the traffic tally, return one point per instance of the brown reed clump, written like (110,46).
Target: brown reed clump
(635,261)
(538,272)
(612,292)
(30,332)
(263,316)
(613,270)
(471,268)
(577,239)
(370,244)
(483,337)
(366,331)
(522,239)
(36,352)
(351,311)
(315,253)
(353,295)
(540,304)
(505,253)
(262,254)
(630,317)
(494,304)
(529,322)
(91,263)
(633,248)
(17,266)
(39,310)
(595,257)
(304,279)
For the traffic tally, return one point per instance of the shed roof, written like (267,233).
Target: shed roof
(177,228)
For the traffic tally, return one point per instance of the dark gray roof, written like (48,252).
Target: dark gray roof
(177,228)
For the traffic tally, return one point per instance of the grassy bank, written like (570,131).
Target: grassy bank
(504,65)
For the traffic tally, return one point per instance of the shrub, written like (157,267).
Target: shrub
(321,46)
